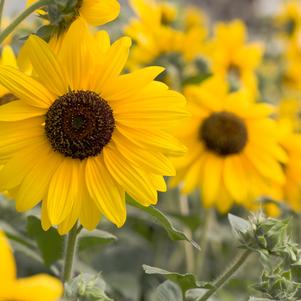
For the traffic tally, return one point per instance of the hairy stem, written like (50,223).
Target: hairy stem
(228,273)
(70,250)
(189,252)
(208,215)
(28,11)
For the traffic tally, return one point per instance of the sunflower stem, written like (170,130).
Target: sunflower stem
(28,11)
(1,12)
(70,250)
(226,275)
(189,252)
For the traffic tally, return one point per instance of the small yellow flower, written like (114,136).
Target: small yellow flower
(35,288)
(232,57)
(233,150)
(81,135)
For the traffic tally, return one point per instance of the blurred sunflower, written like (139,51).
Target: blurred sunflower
(292,61)
(234,59)
(95,12)
(155,35)
(289,18)
(82,135)
(233,150)
(34,288)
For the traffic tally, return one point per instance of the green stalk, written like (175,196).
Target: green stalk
(204,235)
(226,275)
(10,28)
(70,250)
(1,12)
(189,252)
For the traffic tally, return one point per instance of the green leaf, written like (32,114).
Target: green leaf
(50,243)
(89,239)
(185,281)
(163,220)
(167,291)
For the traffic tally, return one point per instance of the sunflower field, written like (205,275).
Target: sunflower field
(150,150)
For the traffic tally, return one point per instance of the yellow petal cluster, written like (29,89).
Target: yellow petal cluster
(84,188)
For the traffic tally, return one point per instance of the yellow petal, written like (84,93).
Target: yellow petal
(89,214)
(154,162)
(37,288)
(113,63)
(18,135)
(99,12)
(158,140)
(25,87)
(235,178)
(35,185)
(46,66)
(130,84)
(7,261)
(8,57)
(108,195)
(13,173)
(46,224)
(212,175)
(18,110)
(63,191)
(77,57)
(133,180)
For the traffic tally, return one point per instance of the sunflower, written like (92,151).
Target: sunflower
(82,135)
(156,37)
(232,58)
(95,12)
(34,288)
(233,150)
(292,56)
(289,18)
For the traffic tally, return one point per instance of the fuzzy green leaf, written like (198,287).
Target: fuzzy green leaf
(185,281)
(164,221)
(167,291)
(50,243)
(89,239)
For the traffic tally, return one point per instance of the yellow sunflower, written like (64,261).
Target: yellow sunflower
(155,35)
(292,62)
(291,190)
(233,150)
(234,59)
(34,288)
(289,18)
(95,12)
(82,135)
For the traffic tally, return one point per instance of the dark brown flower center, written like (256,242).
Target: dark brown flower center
(79,124)
(224,133)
